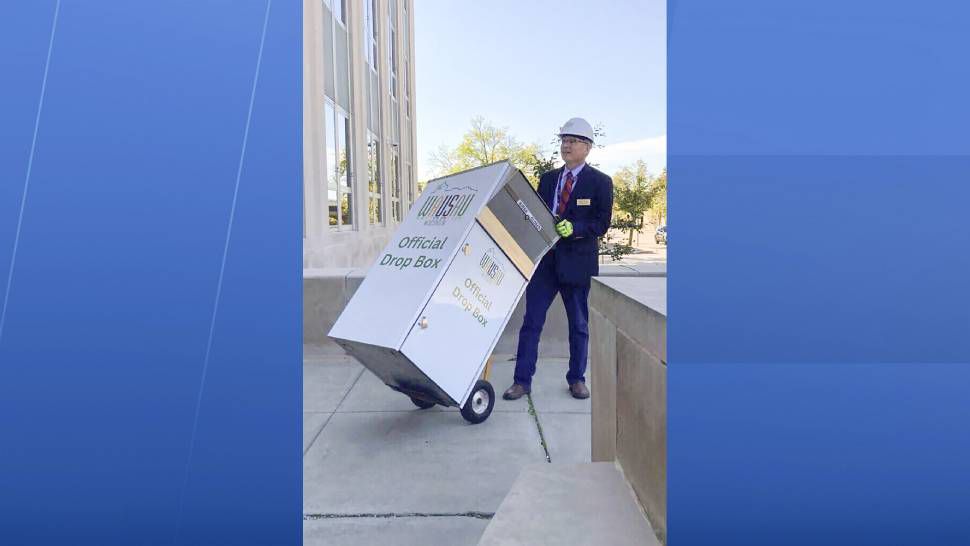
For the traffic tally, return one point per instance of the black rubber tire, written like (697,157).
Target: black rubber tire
(477,408)
(421,403)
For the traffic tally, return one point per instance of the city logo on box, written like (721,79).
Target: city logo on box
(491,268)
(446,203)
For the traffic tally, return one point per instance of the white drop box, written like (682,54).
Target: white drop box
(432,306)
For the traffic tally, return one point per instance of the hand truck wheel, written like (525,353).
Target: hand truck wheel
(480,403)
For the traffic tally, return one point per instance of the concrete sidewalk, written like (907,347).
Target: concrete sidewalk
(378,470)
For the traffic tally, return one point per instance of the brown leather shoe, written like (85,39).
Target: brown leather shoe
(516,391)
(579,390)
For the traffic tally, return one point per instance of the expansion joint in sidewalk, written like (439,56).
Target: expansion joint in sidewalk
(335,411)
(542,437)
(476,515)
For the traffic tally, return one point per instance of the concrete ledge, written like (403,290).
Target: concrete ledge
(327,291)
(634,270)
(569,505)
(628,342)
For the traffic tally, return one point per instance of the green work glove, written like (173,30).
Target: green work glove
(564,228)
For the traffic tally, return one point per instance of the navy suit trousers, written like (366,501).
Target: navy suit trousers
(539,294)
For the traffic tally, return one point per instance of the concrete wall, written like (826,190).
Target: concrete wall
(628,359)
(346,249)
(327,291)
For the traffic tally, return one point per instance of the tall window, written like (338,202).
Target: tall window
(373,98)
(339,8)
(370,32)
(375,185)
(409,182)
(339,189)
(409,179)
(395,185)
(392,64)
(336,45)
(407,61)
(392,44)
(394,138)
(337,123)
(406,47)
(375,188)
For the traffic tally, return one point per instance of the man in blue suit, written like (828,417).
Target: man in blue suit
(581,197)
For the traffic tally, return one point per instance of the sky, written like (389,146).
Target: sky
(529,65)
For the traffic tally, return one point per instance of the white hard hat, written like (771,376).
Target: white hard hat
(578,127)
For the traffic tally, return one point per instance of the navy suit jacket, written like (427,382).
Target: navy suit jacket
(590,209)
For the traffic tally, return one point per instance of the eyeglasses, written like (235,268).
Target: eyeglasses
(571,140)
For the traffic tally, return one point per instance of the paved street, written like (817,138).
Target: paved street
(377,470)
(647,250)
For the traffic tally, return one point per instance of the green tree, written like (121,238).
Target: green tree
(485,143)
(658,201)
(633,193)
(539,166)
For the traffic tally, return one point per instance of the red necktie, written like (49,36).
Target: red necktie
(567,188)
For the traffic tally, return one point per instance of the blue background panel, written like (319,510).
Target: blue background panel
(817,77)
(819,278)
(820,259)
(103,353)
(818,453)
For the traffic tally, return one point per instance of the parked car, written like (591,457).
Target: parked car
(660,236)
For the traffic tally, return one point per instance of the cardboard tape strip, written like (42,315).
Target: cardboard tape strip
(506,242)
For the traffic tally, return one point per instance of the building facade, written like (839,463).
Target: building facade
(359,158)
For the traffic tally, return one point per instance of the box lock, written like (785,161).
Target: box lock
(423,323)
(467,249)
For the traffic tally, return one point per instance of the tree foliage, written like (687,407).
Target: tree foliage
(633,195)
(658,206)
(483,144)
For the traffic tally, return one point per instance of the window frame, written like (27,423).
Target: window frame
(375,182)
(340,185)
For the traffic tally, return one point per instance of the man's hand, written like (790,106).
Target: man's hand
(564,228)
